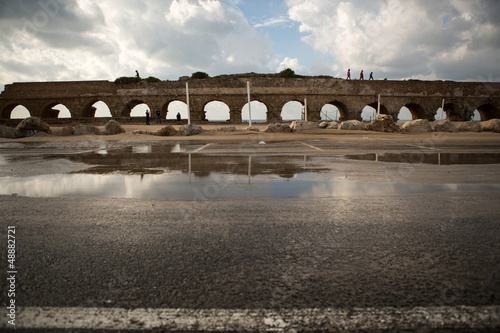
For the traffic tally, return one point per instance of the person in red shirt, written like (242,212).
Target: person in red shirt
(349,74)
(361,76)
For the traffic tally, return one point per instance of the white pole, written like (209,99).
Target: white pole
(305,109)
(442,110)
(249,106)
(378,107)
(187,102)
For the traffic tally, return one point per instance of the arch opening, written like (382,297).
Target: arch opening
(416,110)
(453,112)
(97,109)
(17,112)
(175,107)
(440,115)
(217,111)
(56,110)
(292,110)
(405,115)
(330,112)
(488,111)
(259,112)
(368,113)
(339,108)
(135,108)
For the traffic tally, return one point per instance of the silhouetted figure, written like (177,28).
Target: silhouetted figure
(147,117)
(466,113)
(158,117)
(371,76)
(137,74)
(349,74)
(178,116)
(361,76)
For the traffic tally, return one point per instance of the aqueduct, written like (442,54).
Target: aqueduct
(422,98)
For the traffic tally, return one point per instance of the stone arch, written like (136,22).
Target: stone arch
(90,110)
(453,112)
(260,111)
(217,111)
(50,112)
(416,110)
(488,111)
(342,109)
(405,114)
(9,109)
(173,107)
(292,110)
(127,109)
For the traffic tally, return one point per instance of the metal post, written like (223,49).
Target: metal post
(442,110)
(378,107)
(305,109)
(187,102)
(249,106)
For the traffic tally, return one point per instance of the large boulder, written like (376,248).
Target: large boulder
(86,130)
(445,126)
(31,126)
(353,125)
(166,131)
(112,127)
(324,124)
(302,125)
(469,126)
(383,123)
(417,126)
(68,131)
(7,132)
(492,125)
(188,130)
(333,125)
(277,128)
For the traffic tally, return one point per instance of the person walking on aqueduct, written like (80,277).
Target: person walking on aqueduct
(361,76)
(348,74)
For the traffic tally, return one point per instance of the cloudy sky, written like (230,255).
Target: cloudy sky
(44,40)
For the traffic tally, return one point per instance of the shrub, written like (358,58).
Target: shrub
(287,73)
(200,75)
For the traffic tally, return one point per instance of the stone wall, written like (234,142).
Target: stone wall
(423,98)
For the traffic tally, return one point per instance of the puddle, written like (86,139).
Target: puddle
(178,186)
(431,158)
(173,172)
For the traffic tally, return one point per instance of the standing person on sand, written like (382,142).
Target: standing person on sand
(361,76)
(147,117)
(348,74)
(158,117)
(178,116)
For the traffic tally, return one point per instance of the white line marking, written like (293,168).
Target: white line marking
(449,317)
(201,148)
(311,146)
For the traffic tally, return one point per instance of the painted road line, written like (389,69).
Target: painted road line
(448,317)
(201,148)
(311,146)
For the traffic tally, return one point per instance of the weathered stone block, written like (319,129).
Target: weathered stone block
(31,126)
(417,126)
(112,127)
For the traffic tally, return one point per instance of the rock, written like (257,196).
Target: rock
(7,132)
(166,131)
(492,125)
(253,129)
(31,126)
(417,126)
(68,131)
(141,132)
(333,125)
(445,126)
(301,125)
(354,125)
(469,126)
(383,123)
(112,127)
(190,129)
(86,130)
(227,129)
(277,128)
(324,124)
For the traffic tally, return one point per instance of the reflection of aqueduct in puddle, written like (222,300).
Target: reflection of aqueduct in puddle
(347,98)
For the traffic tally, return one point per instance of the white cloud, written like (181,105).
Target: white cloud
(451,39)
(292,64)
(91,39)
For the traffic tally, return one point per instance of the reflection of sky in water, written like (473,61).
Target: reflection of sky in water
(216,187)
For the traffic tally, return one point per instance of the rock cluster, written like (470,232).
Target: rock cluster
(188,130)
(352,125)
(31,126)
(469,126)
(86,130)
(112,127)
(383,123)
(278,128)
(417,126)
(165,131)
(445,126)
(7,132)
(492,125)
(302,125)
